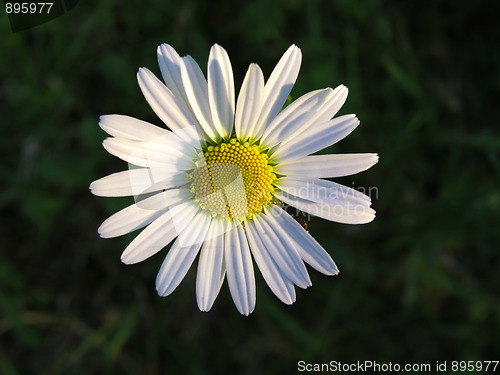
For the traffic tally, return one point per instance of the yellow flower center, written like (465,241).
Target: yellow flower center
(233,179)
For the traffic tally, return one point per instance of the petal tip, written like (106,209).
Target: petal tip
(163,46)
(334,272)
(124,259)
(100,231)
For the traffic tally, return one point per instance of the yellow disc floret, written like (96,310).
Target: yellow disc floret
(233,179)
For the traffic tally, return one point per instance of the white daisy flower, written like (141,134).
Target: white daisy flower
(214,181)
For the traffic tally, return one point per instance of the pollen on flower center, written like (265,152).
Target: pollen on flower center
(233,179)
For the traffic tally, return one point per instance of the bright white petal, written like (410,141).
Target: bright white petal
(278,86)
(323,191)
(196,88)
(326,166)
(316,138)
(137,181)
(343,212)
(337,101)
(310,109)
(159,233)
(141,213)
(210,267)
(275,279)
(307,247)
(170,66)
(330,108)
(166,152)
(221,90)
(239,267)
(282,250)
(166,106)
(182,254)
(249,102)
(130,128)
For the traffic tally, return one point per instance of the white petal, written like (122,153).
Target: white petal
(130,128)
(323,191)
(307,247)
(141,213)
(282,250)
(210,267)
(159,233)
(277,282)
(330,108)
(278,86)
(337,101)
(221,90)
(166,152)
(310,109)
(170,66)
(181,256)
(342,212)
(325,166)
(316,138)
(249,102)
(196,88)
(137,181)
(326,199)
(239,267)
(166,106)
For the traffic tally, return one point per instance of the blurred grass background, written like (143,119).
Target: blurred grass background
(419,284)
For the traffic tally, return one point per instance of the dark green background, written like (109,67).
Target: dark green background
(419,284)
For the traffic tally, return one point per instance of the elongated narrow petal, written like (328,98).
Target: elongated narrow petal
(239,268)
(307,247)
(141,213)
(323,191)
(330,108)
(310,109)
(130,128)
(326,166)
(166,106)
(281,286)
(159,153)
(316,138)
(282,251)
(339,96)
(221,90)
(326,199)
(137,181)
(210,267)
(249,103)
(278,86)
(170,65)
(182,254)
(159,233)
(196,88)
(355,215)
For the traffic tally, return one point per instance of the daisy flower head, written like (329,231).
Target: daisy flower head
(213,180)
